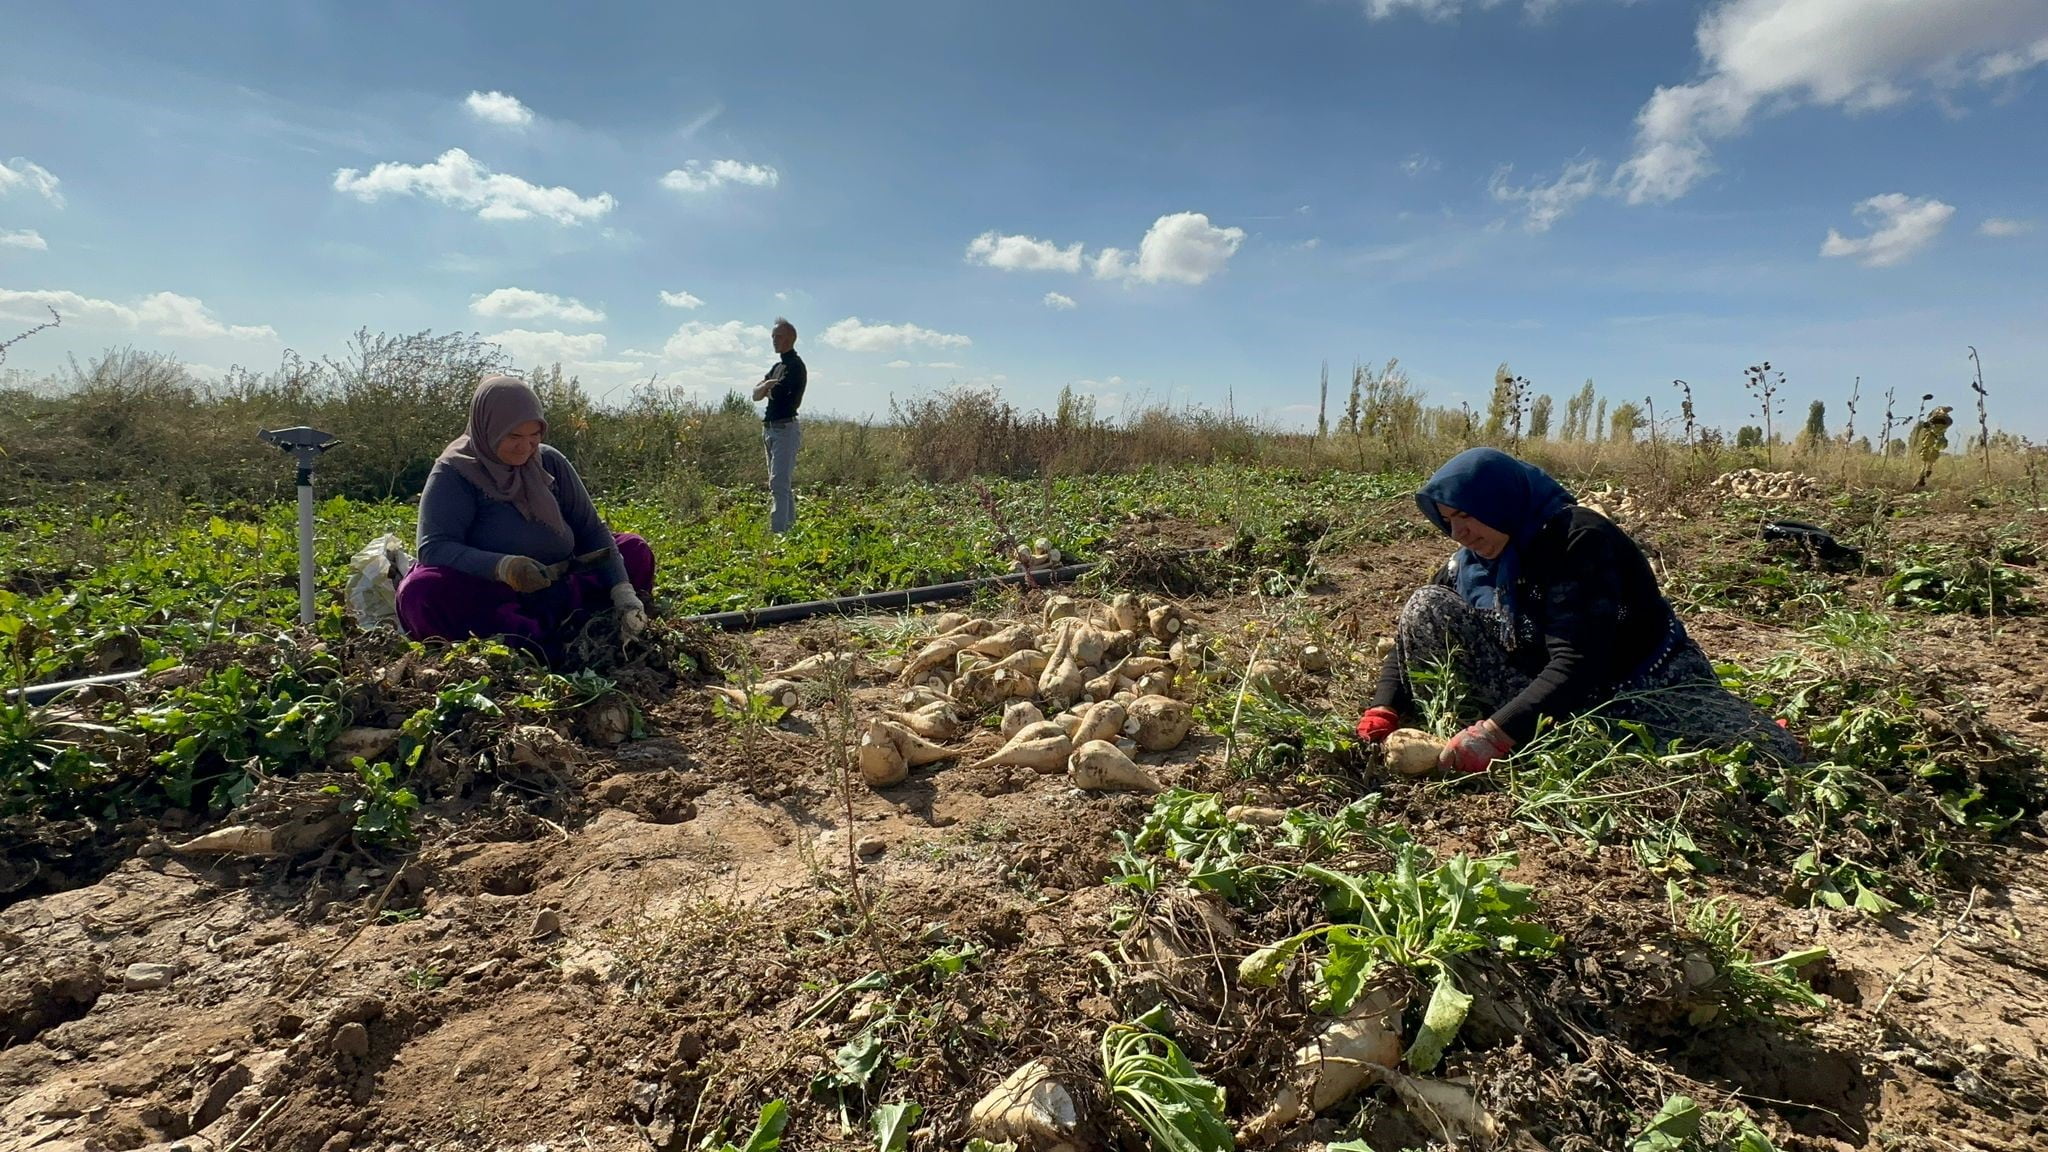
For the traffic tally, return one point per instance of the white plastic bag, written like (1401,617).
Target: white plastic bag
(373,576)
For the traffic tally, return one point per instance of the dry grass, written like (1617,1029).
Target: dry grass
(138,424)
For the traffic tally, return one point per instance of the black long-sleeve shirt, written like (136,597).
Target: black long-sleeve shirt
(1592,616)
(790,377)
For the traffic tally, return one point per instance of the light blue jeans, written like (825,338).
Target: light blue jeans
(782,442)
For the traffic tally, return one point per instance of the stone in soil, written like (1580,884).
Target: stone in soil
(146,977)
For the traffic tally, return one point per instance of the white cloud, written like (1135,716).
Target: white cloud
(1901,225)
(1111,264)
(21,305)
(170,314)
(24,173)
(1022,254)
(526,304)
(163,313)
(1183,248)
(1852,54)
(27,238)
(681,300)
(701,341)
(530,349)
(946,365)
(456,179)
(1310,244)
(856,335)
(1060,302)
(1548,203)
(899,364)
(498,108)
(1421,164)
(2002,226)
(697,177)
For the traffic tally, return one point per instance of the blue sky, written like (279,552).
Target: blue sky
(1163,202)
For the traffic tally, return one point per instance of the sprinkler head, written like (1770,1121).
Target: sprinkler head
(306,444)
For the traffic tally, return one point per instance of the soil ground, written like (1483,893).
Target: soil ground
(646,946)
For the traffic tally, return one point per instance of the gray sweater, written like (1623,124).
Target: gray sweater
(463,529)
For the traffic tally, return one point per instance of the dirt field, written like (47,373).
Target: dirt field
(636,947)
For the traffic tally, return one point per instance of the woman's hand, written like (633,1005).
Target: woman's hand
(632,614)
(524,574)
(1377,724)
(1476,747)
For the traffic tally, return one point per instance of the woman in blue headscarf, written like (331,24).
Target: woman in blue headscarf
(1549,610)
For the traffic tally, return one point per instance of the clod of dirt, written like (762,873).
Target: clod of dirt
(210,1101)
(1411,751)
(547,922)
(1256,816)
(1029,1109)
(32,1003)
(351,1040)
(871,846)
(538,748)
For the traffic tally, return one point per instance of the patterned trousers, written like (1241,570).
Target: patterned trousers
(1680,699)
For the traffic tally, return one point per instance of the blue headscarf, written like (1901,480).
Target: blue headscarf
(1507,496)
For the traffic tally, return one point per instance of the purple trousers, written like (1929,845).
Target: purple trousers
(437,603)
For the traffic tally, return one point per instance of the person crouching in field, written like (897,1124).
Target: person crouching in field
(510,544)
(1549,610)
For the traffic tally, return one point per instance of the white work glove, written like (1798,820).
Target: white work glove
(632,615)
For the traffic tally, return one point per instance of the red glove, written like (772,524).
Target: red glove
(1476,747)
(1374,726)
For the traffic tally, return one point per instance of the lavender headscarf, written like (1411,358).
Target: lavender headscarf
(501,404)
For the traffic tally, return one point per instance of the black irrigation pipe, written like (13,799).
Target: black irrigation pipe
(752,618)
(745,620)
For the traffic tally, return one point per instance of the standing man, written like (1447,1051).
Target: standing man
(783,388)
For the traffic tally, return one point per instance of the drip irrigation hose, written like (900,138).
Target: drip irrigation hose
(745,620)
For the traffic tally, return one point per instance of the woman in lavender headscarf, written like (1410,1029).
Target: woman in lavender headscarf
(510,544)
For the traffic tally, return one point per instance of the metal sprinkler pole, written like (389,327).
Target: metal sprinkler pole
(305,445)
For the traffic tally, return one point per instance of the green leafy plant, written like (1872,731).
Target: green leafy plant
(239,722)
(1192,829)
(893,1123)
(767,1133)
(1949,579)
(1151,1080)
(760,711)
(1416,917)
(1273,734)
(1682,1126)
(1744,986)
(382,808)
(1441,695)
